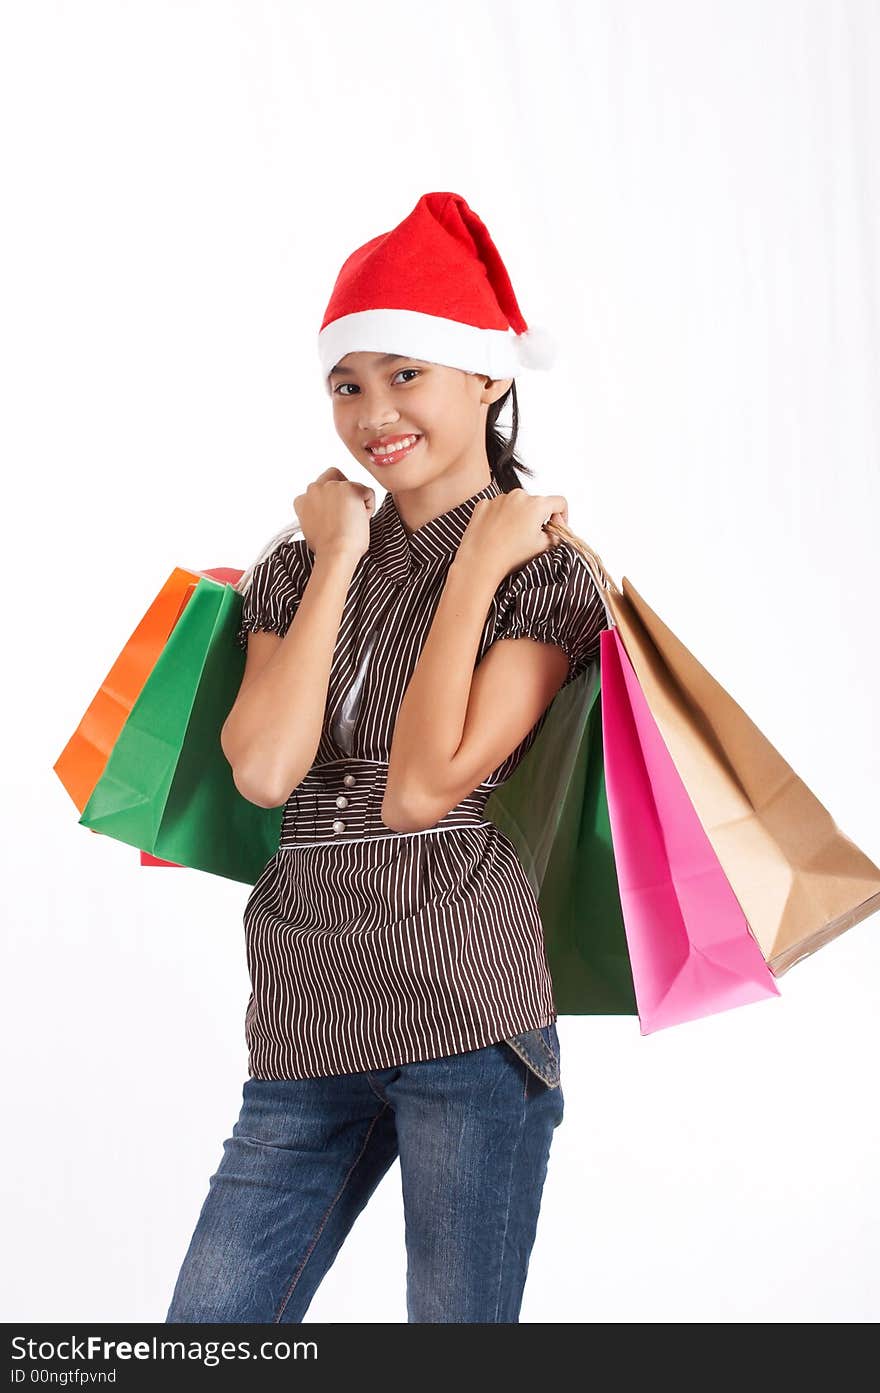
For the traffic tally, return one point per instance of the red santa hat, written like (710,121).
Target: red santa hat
(435,288)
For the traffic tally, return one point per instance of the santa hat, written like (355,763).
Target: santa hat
(435,288)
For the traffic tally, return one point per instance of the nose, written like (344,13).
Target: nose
(376,425)
(375,414)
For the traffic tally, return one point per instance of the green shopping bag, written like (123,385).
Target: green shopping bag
(554,810)
(167,787)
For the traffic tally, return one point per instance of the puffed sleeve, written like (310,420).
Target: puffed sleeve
(276,588)
(554,599)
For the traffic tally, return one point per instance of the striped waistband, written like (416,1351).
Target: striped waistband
(341,801)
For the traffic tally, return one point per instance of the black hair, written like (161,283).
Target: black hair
(500,448)
(506,468)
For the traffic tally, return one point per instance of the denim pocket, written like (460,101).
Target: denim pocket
(539,1049)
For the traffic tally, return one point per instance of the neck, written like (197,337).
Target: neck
(416,506)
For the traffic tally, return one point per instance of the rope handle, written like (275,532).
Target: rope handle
(600,575)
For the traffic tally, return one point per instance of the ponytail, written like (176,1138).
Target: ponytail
(504,465)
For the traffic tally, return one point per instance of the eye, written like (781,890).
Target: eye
(338,390)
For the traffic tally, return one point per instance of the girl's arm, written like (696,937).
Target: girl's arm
(456,725)
(272,732)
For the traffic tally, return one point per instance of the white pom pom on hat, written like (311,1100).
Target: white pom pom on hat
(434,288)
(537,347)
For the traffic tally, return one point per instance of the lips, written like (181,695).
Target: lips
(395,455)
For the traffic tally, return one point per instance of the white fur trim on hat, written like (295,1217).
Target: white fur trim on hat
(495,352)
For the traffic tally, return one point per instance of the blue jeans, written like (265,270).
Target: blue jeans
(473,1134)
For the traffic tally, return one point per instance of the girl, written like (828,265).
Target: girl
(399,665)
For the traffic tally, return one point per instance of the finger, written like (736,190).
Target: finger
(549,506)
(557,503)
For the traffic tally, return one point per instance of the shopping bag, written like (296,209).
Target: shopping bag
(685,941)
(221,573)
(85,755)
(690,948)
(554,810)
(799,879)
(167,787)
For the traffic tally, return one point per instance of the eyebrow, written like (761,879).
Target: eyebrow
(339,371)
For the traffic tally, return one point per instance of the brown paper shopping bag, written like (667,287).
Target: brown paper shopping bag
(799,879)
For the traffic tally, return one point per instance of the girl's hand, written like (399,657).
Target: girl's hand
(505,532)
(334,513)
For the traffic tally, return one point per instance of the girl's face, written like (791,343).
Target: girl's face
(376,395)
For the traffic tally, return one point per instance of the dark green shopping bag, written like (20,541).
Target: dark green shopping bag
(554,810)
(167,787)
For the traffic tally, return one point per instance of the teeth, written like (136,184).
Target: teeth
(392,449)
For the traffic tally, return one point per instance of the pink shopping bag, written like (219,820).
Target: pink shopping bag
(691,950)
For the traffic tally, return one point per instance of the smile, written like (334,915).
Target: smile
(396,452)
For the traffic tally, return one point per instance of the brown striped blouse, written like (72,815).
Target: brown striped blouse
(368,947)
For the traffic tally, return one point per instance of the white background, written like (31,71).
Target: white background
(687,196)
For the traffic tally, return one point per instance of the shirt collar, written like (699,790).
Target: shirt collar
(397,552)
